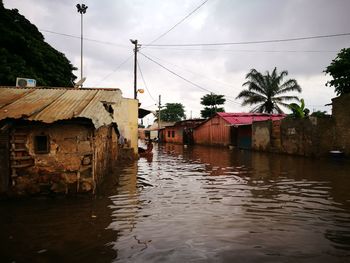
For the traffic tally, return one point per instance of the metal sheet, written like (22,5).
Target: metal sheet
(52,104)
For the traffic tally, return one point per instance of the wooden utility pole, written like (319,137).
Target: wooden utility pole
(135,42)
(159,107)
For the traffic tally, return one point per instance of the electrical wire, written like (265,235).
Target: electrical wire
(194,73)
(178,23)
(251,42)
(109,74)
(243,50)
(87,39)
(183,78)
(144,82)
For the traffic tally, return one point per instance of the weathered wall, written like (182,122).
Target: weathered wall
(215,131)
(178,134)
(341,114)
(261,135)
(67,167)
(306,137)
(126,116)
(105,152)
(77,159)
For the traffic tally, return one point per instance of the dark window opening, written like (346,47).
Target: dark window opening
(173,134)
(168,133)
(41,144)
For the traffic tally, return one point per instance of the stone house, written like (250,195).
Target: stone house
(60,139)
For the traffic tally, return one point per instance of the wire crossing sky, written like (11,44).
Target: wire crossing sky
(213,44)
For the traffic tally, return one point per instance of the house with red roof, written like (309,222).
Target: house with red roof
(234,129)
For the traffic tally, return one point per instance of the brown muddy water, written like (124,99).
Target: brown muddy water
(195,204)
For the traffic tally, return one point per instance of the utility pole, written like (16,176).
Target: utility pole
(159,107)
(136,49)
(82,10)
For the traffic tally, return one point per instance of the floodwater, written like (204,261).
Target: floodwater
(195,204)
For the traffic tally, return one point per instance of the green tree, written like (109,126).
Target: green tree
(211,102)
(339,69)
(267,91)
(299,111)
(320,114)
(173,112)
(24,53)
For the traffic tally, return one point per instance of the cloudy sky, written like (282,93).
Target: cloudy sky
(109,24)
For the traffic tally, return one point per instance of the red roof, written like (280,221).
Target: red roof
(248,118)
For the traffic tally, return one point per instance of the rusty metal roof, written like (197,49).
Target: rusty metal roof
(52,104)
(248,118)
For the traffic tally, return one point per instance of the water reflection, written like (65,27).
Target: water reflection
(198,204)
(56,230)
(211,204)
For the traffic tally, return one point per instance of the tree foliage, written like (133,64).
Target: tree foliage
(267,91)
(339,69)
(24,53)
(320,114)
(299,111)
(211,102)
(173,112)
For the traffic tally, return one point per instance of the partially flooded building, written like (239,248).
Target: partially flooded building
(61,140)
(234,129)
(181,132)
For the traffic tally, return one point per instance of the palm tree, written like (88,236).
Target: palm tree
(267,91)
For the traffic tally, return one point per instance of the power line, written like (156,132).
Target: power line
(87,39)
(144,82)
(183,78)
(109,74)
(195,73)
(244,50)
(178,23)
(251,42)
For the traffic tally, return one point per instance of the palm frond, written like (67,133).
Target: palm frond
(287,98)
(289,85)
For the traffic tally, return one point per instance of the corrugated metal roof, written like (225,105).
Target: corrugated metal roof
(248,118)
(52,104)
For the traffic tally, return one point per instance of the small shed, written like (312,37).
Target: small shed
(235,129)
(57,139)
(181,132)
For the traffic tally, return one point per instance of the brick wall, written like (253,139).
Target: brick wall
(341,114)
(306,137)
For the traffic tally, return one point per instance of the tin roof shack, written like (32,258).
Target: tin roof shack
(235,129)
(181,132)
(56,139)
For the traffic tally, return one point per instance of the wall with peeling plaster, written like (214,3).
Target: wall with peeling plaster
(126,116)
(78,158)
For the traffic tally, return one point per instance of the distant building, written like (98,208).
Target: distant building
(153,131)
(59,139)
(181,132)
(234,129)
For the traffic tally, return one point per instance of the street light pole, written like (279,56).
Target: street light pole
(82,10)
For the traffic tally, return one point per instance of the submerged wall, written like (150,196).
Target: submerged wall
(78,157)
(215,131)
(341,113)
(126,115)
(307,137)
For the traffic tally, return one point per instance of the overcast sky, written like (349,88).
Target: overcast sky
(220,69)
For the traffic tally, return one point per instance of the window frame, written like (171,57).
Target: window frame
(36,144)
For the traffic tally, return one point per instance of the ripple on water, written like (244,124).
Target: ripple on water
(196,208)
